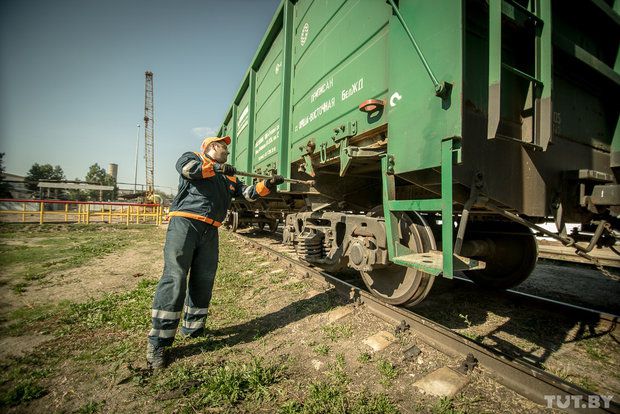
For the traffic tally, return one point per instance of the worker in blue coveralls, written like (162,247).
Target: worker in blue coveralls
(206,186)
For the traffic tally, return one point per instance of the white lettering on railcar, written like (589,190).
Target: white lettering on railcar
(278,66)
(268,138)
(394,99)
(322,89)
(243,120)
(355,88)
(267,153)
(320,110)
(304,34)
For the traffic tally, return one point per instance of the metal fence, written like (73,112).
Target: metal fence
(55,211)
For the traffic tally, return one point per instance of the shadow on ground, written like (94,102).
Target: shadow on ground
(256,328)
(507,324)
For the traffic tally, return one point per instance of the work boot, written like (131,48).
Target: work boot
(155,358)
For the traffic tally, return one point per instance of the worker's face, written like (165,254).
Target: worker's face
(219,151)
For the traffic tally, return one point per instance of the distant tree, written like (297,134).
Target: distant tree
(43,172)
(98,175)
(5,188)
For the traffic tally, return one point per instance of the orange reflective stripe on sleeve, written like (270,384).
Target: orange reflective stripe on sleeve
(232,178)
(262,189)
(207,166)
(195,217)
(207,170)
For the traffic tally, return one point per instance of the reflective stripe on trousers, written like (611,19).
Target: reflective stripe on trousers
(191,247)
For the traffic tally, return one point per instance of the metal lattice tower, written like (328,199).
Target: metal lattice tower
(149,137)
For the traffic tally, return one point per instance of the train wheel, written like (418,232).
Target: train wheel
(512,257)
(231,221)
(399,285)
(273,225)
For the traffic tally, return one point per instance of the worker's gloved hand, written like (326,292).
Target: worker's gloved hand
(225,169)
(274,181)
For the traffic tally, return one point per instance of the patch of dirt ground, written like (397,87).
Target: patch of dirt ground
(116,272)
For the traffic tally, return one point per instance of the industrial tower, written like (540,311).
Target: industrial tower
(148,134)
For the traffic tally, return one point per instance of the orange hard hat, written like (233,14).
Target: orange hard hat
(208,140)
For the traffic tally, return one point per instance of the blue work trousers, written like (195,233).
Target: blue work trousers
(191,247)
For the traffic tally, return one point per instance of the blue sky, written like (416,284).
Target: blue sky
(72,78)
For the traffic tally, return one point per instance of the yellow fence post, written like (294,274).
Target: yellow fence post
(128,208)
(41,213)
(87,213)
(110,214)
(66,211)
(24,212)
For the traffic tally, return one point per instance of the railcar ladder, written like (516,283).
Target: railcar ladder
(537,117)
(434,262)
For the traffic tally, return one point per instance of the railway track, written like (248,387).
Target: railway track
(513,372)
(560,253)
(531,300)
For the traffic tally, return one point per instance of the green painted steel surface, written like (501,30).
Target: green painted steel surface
(268,109)
(415,205)
(339,61)
(519,64)
(448,149)
(419,120)
(242,133)
(283,166)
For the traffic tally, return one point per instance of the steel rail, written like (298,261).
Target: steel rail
(519,376)
(610,320)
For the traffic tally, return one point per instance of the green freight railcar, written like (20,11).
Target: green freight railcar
(438,133)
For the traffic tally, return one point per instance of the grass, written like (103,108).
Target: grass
(472,336)
(226,385)
(387,370)
(467,333)
(20,287)
(593,348)
(24,391)
(445,406)
(125,311)
(338,371)
(20,379)
(560,372)
(587,383)
(296,287)
(328,398)
(334,332)
(364,357)
(91,407)
(322,349)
